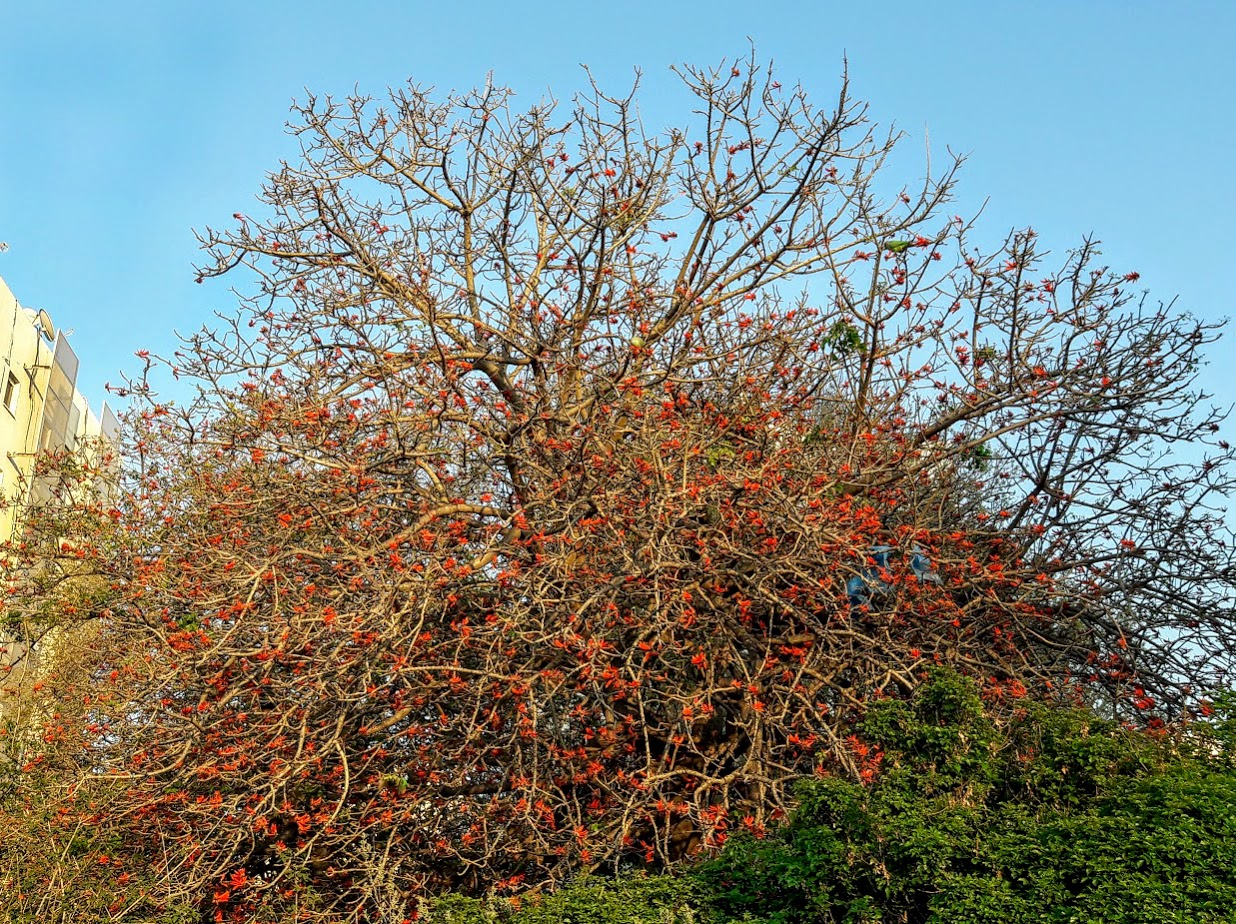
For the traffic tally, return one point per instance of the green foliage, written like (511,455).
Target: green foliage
(1222,729)
(843,338)
(627,900)
(979,457)
(719,453)
(1046,815)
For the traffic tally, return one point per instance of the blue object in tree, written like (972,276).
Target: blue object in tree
(920,564)
(861,587)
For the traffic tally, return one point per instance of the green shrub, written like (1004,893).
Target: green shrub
(1049,815)
(626,900)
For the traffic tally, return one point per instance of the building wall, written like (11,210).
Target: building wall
(40,410)
(40,406)
(24,366)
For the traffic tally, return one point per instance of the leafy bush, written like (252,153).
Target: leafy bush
(1046,815)
(628,900)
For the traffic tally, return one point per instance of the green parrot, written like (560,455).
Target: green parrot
(898,246)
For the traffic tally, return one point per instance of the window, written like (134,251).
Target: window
(10,393)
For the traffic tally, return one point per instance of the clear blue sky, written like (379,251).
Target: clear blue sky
(123,125)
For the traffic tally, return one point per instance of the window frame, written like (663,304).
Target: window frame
(12,392)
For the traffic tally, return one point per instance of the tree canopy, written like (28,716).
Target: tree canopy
(561,492)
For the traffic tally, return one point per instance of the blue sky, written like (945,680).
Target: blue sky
(124,125)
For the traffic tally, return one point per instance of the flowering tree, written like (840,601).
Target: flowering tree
(561,492)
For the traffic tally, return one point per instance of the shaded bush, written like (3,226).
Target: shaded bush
(62,862)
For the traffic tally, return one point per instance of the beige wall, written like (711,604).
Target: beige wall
(43,410)
(28,375)
(24,358)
